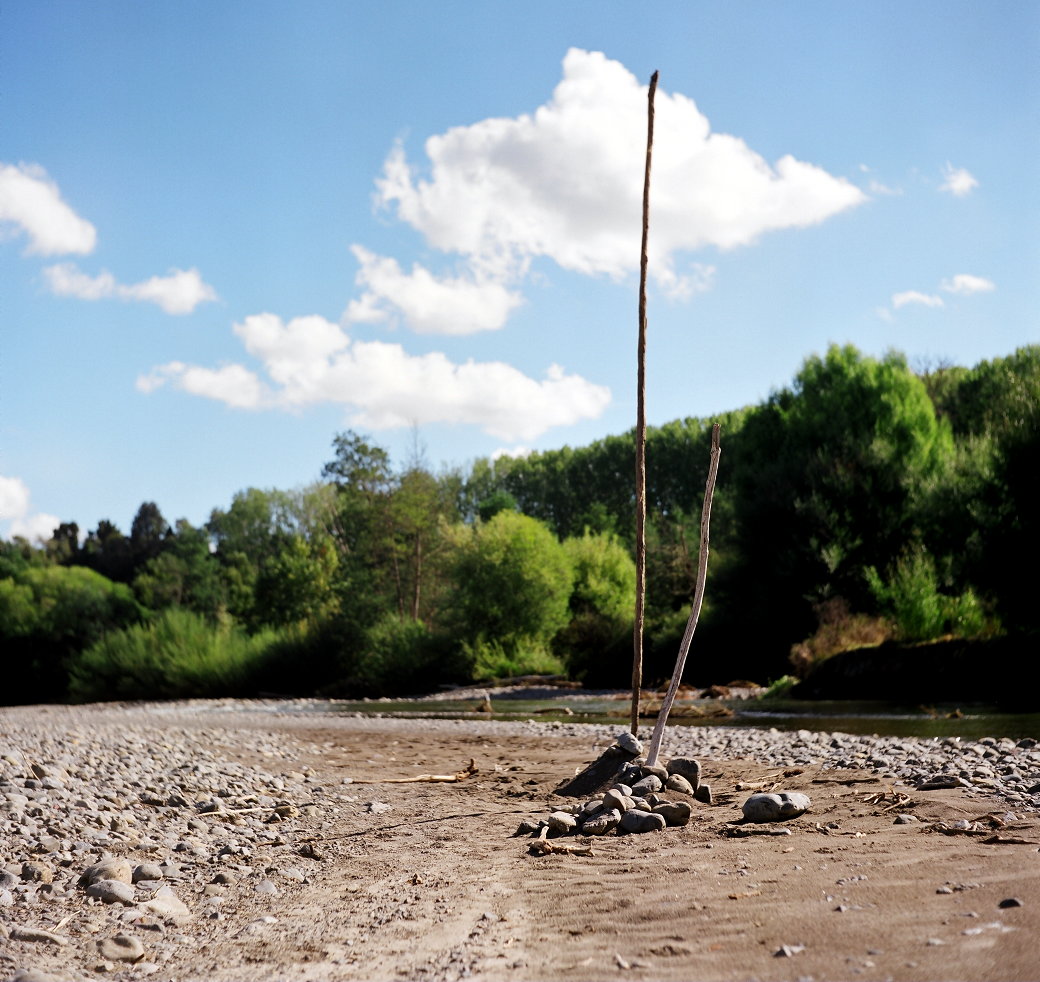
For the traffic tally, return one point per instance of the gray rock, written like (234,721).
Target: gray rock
(167,905)
(121,948)
(656,769)
(703,794)
(674,813)
(905,819)
(147,871)
(601,824)
(637,820)
(562,823)
(35,934)
(646,785)
(37,873)
(676,782)
(777,807)
(112,892)
(107,869)
(687,767)
(625,789)
(630,744)
(615,799)
(527,827)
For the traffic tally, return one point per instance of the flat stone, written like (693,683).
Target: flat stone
(637,820)
(167,905)
(656,769)
(615,799)
(676,782)
(601,824)
(677,813)
(777,807)
(943,782)
(147,871)
(646,785)
(35,934)
(121,948)
(687,767)
(562,822)
(630,744)
(112,892)
(107,869)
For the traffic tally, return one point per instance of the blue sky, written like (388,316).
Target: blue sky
(230,230)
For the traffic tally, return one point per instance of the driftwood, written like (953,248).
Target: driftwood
(469,771)
(698,600)
(637,631)
(543,847)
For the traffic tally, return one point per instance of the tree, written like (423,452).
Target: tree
(147,533)
(108,552)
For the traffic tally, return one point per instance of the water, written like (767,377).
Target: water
(867,718)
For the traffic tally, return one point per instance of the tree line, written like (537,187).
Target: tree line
(864,502)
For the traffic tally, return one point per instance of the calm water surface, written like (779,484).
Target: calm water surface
(880,718)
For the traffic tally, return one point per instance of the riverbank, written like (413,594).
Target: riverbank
(271,841)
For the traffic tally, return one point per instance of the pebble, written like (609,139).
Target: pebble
(686,767)
(676,782)
(677,813)
(562,822)
(630,744)
(606,821)
(637,820)
(112,892)
(776,807)
(121,948)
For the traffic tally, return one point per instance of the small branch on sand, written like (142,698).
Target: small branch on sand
(425,778)
(698,600)
(542,847)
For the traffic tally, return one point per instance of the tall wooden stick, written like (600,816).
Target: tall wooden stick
(637,633)
(698,599)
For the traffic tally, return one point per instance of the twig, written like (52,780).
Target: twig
(425,778)
(637,631)
(698,600)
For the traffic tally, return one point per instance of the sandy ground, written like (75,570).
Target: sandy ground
(436,887)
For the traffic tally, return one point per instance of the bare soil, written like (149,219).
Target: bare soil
(436,887)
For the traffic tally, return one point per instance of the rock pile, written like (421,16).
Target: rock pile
(634,800)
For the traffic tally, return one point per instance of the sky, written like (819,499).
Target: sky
(230,230)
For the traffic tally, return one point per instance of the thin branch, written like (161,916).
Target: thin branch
(637,635)
(698,600)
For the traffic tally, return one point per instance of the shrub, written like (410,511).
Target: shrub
(838,630)
(495,660)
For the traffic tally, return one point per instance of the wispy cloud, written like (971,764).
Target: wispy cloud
(966,284)
(17,514)
(916,297)
(31,203)
(180,291)
(957,181)
(311,360)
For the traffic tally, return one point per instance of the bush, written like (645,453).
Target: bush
(838,630)
(912,599)
(401,655)
(494,660)
(178,655)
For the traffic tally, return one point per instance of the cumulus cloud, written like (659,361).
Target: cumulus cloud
(15,510)
(957,181)
(916,297)
(428,304)
(565,182)
(311,360)
(31,202)
(966,284)
(180,291)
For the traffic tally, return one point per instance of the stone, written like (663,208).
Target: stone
(637,820)
(677,813)
(107,869)
(687,767)
(121,948)
(943,782)
(606,821)
(676,782)
(112,892)
(167,905)
(1009,902)
(656,769)
(630,744)
(776,807)
(615,799)
(37,873)
(646,785)
(20,933)
(527,827)
(703,794)
(147,871)
(625,789)
(562,822)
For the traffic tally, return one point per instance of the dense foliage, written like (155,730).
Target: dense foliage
(863,503)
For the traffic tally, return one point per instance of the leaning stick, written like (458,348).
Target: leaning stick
(637,632)
(698,599)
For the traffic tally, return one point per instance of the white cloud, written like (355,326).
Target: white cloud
(966,284)
(957,181)
(916,297)
(565,182)
(429,305)
(179,292)
(32,202)
(15,510)
(518,451)
(311,360)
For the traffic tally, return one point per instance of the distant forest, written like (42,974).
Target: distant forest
(865,502)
